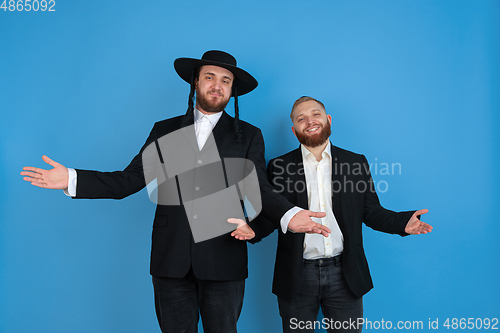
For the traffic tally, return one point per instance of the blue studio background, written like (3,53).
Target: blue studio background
(414,84)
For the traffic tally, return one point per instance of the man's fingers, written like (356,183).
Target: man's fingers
(31,175)
(243,230)
(242,235)
(239,222)
(317,214)
(33,169)
(421,212)
(47,160)
(322,232)
(425,228)
(29,179)
(235,235)
(316,228)
(42,185)
(421,228)
(321,229)
(325,234)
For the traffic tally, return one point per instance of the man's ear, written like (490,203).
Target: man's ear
(329,118)
(293,130)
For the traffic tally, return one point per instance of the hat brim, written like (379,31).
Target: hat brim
(244,81)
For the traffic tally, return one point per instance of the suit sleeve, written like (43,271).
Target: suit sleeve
(274,205)
(261,225)
(114,185)
(377,217)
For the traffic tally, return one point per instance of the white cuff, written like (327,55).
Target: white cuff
(71,190)
(285,220)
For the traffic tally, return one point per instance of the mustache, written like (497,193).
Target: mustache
(217,91)
(313,125)
(318,138)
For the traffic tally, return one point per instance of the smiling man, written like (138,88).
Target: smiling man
(328,272)
(192,278)
(213,87)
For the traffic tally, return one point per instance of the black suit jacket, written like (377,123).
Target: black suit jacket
(354,201)
(173,249)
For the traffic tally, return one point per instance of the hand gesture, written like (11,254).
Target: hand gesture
(55,178)
(243,231)
(415,226)
(301,222)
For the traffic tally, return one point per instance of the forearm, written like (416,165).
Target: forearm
(107,185)
(381,219)
(262,228)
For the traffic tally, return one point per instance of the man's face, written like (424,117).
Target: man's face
(311,124)
(213,88)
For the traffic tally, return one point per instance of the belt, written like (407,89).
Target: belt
(324,261)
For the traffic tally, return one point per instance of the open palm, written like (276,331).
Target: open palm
(55,178)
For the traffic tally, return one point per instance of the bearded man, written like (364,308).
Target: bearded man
(192,278)
(312,271)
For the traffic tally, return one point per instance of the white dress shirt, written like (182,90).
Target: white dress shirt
(203,125)
(318,176)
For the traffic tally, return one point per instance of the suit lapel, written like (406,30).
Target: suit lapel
(190,136)
(300,178)
(224,125)
(337,187)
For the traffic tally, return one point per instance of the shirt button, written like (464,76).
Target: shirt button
(199,162)
(195,217)
(197,188)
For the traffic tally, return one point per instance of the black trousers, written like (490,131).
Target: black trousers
(323,285)
(180,302)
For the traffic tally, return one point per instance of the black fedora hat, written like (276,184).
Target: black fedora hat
(244,81)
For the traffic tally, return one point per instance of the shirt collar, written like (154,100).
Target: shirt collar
(305,152)
(213,118)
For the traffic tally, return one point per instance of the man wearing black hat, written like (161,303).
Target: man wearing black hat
(193,278)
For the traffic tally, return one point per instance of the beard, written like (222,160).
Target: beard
(208,104)
(317,139)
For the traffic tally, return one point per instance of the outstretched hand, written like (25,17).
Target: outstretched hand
(55,178)
(301,222)
(243,231)
(415,226)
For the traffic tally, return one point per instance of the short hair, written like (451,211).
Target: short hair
(302,100)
